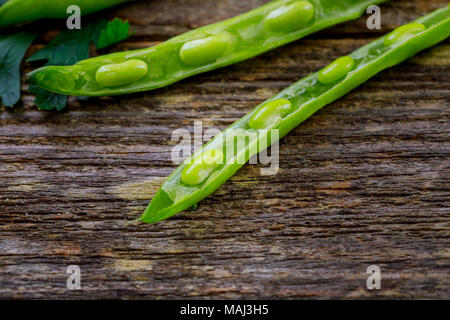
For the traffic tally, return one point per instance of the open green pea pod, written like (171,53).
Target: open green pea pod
(267,27)
(211,166)
(20,11)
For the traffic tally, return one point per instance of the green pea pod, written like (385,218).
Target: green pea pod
(288,109)
(20,11)
(267,27)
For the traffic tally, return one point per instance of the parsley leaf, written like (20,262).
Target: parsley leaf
(117,30)
(12,50)
(70,46)
(46,100)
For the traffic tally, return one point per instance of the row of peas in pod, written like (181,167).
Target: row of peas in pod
(285,18)
(200,50)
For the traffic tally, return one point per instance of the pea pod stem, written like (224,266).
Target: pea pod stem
(214,46)
(20,11)
(306,96)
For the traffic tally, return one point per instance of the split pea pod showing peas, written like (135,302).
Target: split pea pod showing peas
(20,11)
(262,29)
(189,184)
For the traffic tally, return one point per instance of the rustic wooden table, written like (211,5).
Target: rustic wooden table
(365,181)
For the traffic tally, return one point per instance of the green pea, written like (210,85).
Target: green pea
(336,70)
(204,51)
(290,17)
(403,33)
(121,73)
(201,167)
(270,113)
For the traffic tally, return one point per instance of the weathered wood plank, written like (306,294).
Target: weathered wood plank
(365,181)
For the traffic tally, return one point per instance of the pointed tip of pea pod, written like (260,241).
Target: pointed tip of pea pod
(151,215)
(160,208)
(52,78)
(32,76)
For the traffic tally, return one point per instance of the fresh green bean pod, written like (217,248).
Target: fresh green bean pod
(291,107)
(20,11)
(267,27)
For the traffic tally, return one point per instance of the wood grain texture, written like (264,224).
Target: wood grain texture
(364,181)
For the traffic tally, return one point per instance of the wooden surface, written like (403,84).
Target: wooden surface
(364,181)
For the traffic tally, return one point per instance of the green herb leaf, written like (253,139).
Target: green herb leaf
(117,30)
(70,46)
(12,50)
(46,100)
